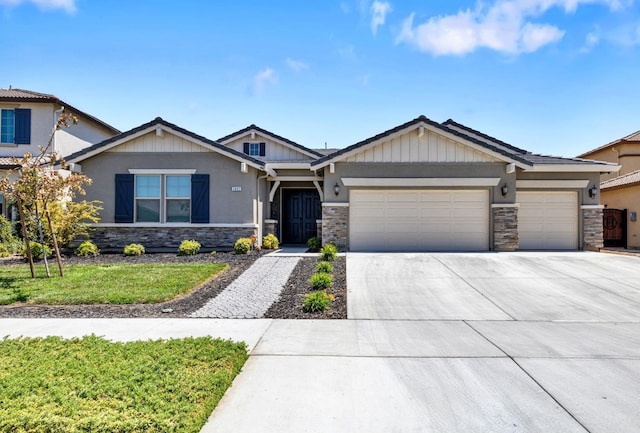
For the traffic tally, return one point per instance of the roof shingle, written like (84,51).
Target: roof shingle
(620,181)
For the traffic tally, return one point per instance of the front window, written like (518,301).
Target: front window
(7,126)
(254,149)
(163,198)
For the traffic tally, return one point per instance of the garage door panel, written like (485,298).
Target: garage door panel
(419,220)
(548,219)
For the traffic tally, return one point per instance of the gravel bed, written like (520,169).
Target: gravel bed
(289,305)
(179,307)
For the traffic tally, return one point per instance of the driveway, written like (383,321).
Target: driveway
(522,342)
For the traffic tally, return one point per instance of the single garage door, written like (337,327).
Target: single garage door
(412,220)
(548,220)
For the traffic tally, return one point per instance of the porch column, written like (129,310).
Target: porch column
(505,227)
(335,217)
(592,236)
(270,226)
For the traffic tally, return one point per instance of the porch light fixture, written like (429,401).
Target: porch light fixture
(504,190)
(336,188)
(593,191)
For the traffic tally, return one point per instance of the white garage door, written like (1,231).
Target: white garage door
(548,220)
(414,220)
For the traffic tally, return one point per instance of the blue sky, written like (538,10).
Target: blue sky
(551,76)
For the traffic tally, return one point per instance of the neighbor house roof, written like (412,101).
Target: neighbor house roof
(252,127)
(525,159)
(620,181)
(111,142)
(20,95)
(634,137)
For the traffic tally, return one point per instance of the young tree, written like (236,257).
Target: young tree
(38,186)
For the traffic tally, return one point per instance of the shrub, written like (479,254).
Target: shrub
(213,253)
(189,248)
(320,281)
(329,252)
(134,250)
(270,242)
(86,249)
(242,246)
(325,267)
(36,250)
(316,301)
(313,244)
(4,251)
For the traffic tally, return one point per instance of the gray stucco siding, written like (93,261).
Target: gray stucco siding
(226,206)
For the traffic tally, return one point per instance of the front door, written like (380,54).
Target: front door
(301,209)
(614,227)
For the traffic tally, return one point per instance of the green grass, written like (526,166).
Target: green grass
(91,384)
(104,284)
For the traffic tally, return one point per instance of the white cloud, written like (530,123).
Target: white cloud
(379,11)
(591,40)
(503,25)
(68,5)
(262,78)
(296,65)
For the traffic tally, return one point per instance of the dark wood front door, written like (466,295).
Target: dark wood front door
(614,227)
(301,209)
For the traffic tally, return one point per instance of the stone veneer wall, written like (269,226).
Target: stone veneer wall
(168,238)
(334,225)
(270,226)
(592,229)
(505,228)
(319,229)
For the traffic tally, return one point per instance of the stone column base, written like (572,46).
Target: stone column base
(334,224)
(505,227)
(592,235)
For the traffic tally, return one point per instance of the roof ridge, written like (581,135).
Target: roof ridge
(483,135)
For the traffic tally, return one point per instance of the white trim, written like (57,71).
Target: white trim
(332,168)
(563,184)
(176,225)
(495,205)
(592,206)
(420,181)
(294,178)
(335,204)
(272,193)
(573,168)
(511,168)
(168,171)
(289,165)
(268,221)
(320,192)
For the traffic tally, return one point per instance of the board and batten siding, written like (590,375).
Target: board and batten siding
(151,143)
(274,151)
(430,147)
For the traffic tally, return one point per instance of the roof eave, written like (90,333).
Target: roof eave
(575,168)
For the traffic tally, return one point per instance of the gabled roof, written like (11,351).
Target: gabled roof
(505,151)
(150,126)
(634,137)
(20,95)
(620,181)
(252,127)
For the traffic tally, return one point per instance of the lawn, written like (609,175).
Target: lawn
(105,283)
(91,384)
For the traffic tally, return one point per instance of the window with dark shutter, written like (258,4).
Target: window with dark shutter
(23,126)
(124,198)
(200,198)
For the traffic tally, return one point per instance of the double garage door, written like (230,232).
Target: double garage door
(456,220)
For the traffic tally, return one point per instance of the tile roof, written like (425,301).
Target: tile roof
(620,181)
(21,95)
(159,121)
(8,162)
(633,137)
(276,136)
(455,125)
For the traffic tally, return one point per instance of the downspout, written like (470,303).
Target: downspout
(55,131)
(258,179)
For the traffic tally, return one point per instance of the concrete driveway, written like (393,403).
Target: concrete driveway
(523,342)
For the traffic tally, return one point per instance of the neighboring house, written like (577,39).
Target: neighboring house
(422,186)
(620,191)
(27,120)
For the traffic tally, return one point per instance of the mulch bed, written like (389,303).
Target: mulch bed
(289,306)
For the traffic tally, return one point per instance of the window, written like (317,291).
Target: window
(255,149)
(163,198)
(15,126)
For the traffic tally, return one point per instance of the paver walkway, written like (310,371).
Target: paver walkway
(253,292)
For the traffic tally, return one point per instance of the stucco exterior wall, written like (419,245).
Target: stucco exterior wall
(626,198)
(227,206)
(41,128)
(627,155)
(77,137)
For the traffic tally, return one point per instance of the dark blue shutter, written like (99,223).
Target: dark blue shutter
(263,149)
(124,198)
(200,198)
(245,148)
(23,126)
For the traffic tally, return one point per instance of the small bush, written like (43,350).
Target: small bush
(313,244)
(320,281)
(86,249)
(317,301)
(242,246)
(213,253)
(134,250)
(270,242)
(325,267)
(329,252)
(189,248)
(36,250)
(4,251)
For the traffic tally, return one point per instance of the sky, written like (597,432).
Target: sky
(555,77)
